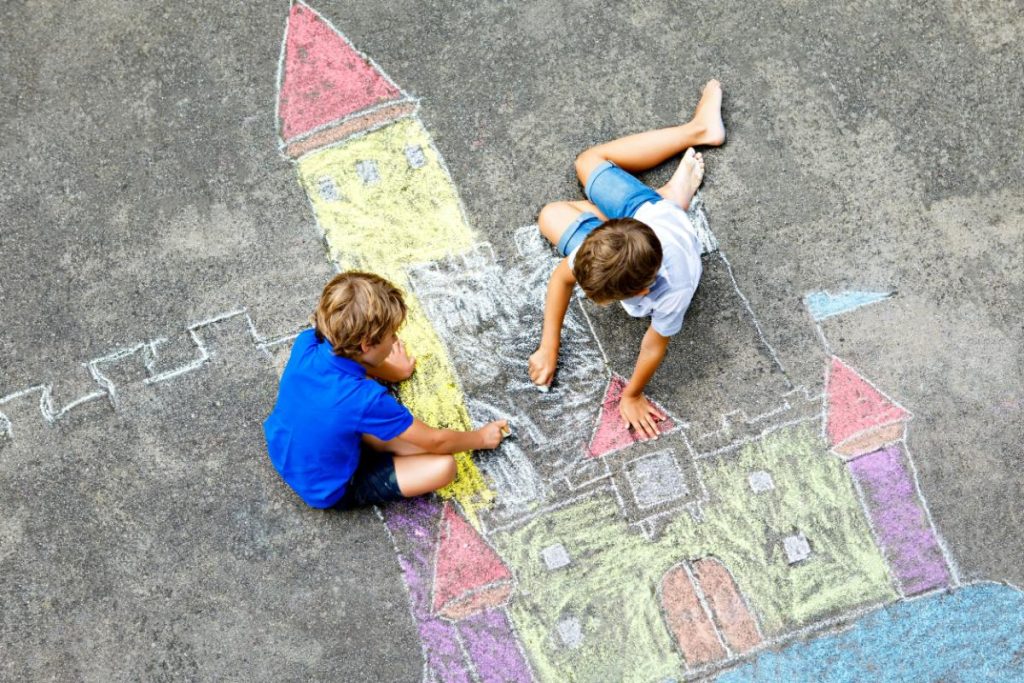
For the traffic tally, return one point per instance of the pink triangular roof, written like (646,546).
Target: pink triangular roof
(612,432)
(323,78)
(465,563)
(854,405)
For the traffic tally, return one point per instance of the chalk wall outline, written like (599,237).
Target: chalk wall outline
(147,353)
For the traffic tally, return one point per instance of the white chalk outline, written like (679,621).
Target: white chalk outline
(149,355)
(757,323)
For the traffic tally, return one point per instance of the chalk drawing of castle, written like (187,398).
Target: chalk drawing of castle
(575,552)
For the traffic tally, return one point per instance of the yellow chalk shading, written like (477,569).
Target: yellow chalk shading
(385,202)
(434,396)
(611,584)
(402,215)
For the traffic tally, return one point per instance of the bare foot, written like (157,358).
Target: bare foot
(708,114)
(687,178)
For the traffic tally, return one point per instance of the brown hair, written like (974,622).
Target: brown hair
(357,308)
(618,259)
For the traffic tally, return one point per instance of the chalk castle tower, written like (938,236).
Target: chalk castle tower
(381,194)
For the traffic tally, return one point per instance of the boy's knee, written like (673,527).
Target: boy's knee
(587,161)
(547,215)
(447,470)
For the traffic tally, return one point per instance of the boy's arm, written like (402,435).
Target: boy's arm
(545,358)
(634,408)
(448,441)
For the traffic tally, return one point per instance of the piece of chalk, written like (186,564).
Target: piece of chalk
(543,388)
(506,432)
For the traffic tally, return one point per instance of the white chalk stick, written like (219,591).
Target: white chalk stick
(543,388)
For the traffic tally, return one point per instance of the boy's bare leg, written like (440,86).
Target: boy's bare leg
(555,217)
(419,474)
(685,181)
(417,471)
(635,153)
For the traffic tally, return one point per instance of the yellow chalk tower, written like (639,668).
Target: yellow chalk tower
(382,197)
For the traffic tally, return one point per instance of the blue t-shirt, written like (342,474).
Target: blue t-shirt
(324,405)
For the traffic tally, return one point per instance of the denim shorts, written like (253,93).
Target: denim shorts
(374,482)
(616,193)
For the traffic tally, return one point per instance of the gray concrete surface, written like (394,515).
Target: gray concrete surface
(872,145)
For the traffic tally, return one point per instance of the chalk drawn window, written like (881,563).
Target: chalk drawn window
(327,189)
(555,556)
(414,154)
(570,631)
(367,171)
(797,548)
(656,478)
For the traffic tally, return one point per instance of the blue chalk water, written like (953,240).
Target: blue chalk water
(973,634)
(825,305)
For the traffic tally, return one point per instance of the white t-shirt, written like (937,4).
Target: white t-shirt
(680,270)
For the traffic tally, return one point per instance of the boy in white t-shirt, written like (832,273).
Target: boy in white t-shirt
(631,243)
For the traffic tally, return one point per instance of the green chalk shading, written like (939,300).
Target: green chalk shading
(610,586)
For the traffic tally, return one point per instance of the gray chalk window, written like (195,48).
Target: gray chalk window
(328,190)
(367,171)
(797,548)
(555,556)
(656,478)
(760,481)
(570,631)
(415,156)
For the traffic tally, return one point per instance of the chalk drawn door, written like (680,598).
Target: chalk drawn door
(706,613)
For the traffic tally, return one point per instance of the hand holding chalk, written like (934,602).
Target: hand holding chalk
(492,434)
(542,368)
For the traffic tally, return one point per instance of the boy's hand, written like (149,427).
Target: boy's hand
(640,415)
(403,363)
(492,433)
(542,366)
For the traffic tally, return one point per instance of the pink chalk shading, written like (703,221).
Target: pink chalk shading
(687,620)
(323,78)
(469,577)
(900,523)
(612,433)
(492,647)
(859,418)
(414,525)
(731,613)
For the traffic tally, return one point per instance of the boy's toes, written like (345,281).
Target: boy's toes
(689,155)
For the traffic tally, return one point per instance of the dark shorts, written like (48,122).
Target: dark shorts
(373,482)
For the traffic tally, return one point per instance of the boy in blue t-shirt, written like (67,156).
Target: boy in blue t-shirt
(335,435)
(631,243)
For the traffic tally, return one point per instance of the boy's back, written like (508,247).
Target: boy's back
(680,270)
(325,404)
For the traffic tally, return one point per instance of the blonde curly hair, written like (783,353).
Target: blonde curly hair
(357,308)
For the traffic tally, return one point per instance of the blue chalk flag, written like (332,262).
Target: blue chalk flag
(973,634)
(825,305)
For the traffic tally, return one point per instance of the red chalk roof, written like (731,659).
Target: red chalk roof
(465,563)
(854,405)
(612,432)
(323,78)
